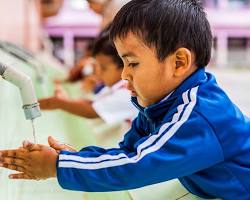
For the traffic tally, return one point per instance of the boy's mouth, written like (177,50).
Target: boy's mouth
(132,91)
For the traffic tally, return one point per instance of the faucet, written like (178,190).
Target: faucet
(24,83)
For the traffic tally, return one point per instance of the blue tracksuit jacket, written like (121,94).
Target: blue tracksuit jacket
(196,135)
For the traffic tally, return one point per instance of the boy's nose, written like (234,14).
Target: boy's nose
(126,74)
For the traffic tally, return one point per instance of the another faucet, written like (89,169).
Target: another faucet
(24,83)
(25,56)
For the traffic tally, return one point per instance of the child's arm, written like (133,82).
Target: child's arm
(81,107)
(179,148)
(60,100)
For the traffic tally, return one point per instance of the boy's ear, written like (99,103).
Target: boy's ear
(183,61)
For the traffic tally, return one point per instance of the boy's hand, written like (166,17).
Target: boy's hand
(58,146)
(34,162)
(53,102)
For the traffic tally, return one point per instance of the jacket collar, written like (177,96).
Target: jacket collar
(159,109)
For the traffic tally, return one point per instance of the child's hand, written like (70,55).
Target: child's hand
(50,103)
(53,102)
(58,146)
(34,162)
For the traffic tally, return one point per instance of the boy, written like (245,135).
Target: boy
(187,127)
(112,103)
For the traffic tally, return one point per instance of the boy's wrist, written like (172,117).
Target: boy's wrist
(56,166)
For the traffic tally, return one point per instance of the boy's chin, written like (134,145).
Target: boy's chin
(142,103)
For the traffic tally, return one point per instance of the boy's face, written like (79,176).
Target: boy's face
(148,79)
(107,70)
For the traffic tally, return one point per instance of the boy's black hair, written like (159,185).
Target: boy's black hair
(103,45)
(166,25)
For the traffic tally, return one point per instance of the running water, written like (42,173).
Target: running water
(34,131)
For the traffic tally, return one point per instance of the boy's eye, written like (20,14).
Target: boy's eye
(133,64)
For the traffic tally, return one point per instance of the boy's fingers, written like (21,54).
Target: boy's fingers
(55,144)
(26,143)
(16,153)
(12,161)
(21,176)
(59,146)
(52,142)
(58,90)
(12,167)
(31,146)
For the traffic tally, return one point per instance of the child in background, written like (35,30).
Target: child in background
(75,73)
(110,110)
(187,127)
(112,103)
(83,72)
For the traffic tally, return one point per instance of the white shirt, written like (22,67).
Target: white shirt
(113,104)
